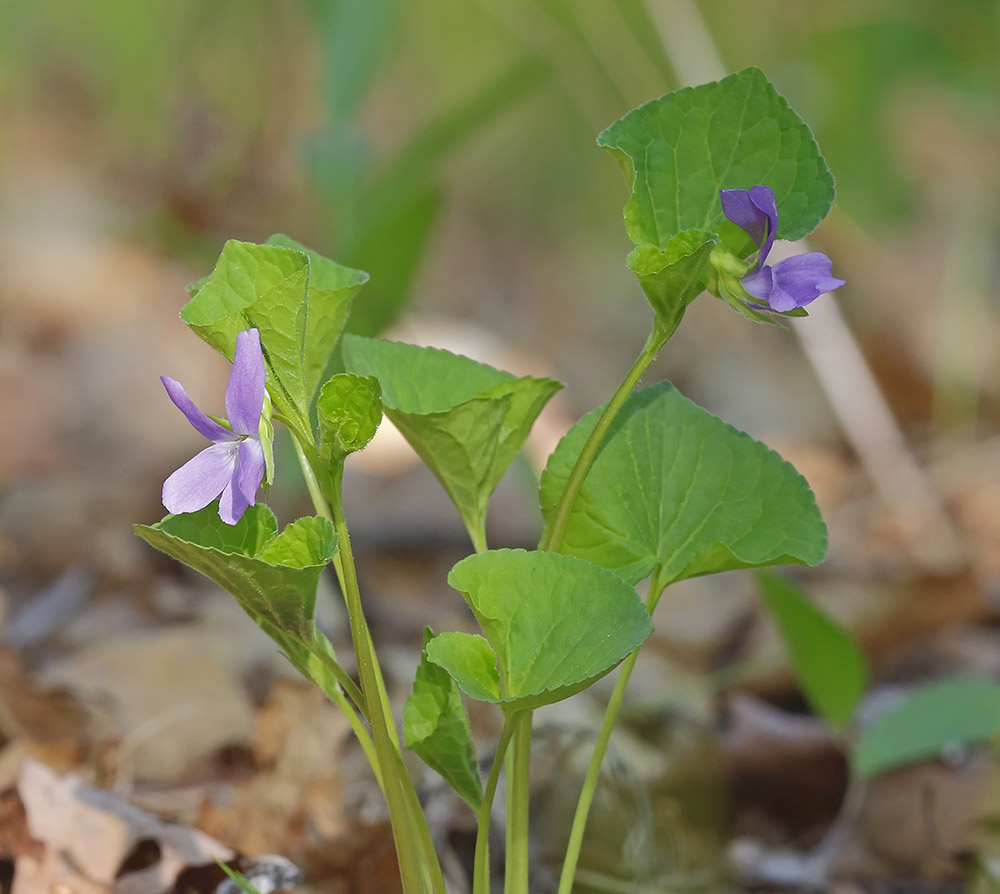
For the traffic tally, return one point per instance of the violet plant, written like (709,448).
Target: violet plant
(648,487)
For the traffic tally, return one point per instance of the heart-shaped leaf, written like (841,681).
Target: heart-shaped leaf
(553,623)
(436,727)
(677,487)
(678,151)
(948,712)
(296,298)
(465,420)
(272,575)
(828,662)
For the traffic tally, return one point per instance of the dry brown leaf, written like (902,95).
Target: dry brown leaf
(173,696)
(298,793)
(81,837)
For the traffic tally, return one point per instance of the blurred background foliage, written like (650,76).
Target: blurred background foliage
(447,147)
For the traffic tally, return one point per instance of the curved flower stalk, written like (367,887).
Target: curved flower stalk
(789,284)
(233,467)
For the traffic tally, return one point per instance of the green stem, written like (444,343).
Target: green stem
(518,780)
(418,864)
(481,862)
(409,863)
(312,482)
(554,532)
(336,694)
(656,587)
(477,534)
(342,677)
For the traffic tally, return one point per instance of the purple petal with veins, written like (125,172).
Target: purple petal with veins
(202,423)
(232,503)
(249,468)
(201,479)
(793,282)
(245,391)
(755,211)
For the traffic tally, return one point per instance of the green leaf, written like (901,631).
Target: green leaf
(828,662)
(332,289)
(675,486)
(672,277)
(298,300)
(470,660)
(349,410)
(678,151)
(553,623)
(272,575)
(436,727)
(950,712)
(465,420)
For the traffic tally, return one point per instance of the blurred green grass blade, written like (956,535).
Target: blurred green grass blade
(392,242)
(827,660)
(356,40)
(635,14)
(395,213)
(428,148)
(950,712)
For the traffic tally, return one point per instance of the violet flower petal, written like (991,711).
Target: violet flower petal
(245,391)
(760,284)
(249,469)
(801,279)
(232,503)
(756,212)
(201,479)
(202,423)
(763,199)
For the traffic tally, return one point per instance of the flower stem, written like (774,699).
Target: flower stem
(386,742)
(405,811)
(481,863)
(312,482)
(552,540)
(419,867)
(656,587)
(554,532)
(518,779)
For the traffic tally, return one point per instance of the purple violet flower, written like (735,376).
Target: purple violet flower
(234,465)
(789,284)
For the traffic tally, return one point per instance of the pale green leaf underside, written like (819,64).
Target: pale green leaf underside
(827,660)
(436,727)
(272,575)
(416,379)
(678,151)
(675,486)
(951,712)
(553,625)
(466,420)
